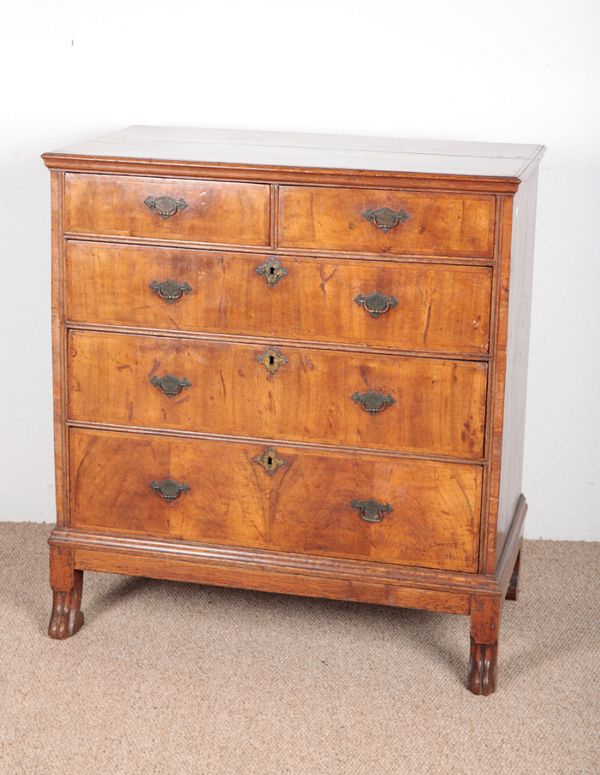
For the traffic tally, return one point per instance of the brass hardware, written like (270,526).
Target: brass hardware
(169,489)
(170,290)
(165,206)
(272,270)
(376,304)
(372,401)
(370,510)
(170,385)
(272,360)
(385,218)
(270,461)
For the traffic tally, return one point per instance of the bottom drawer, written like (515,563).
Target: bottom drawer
(340,504)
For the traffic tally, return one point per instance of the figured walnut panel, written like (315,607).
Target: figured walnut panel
(438,408)
(215,212)
(438,308)
(437,224)
(433,522)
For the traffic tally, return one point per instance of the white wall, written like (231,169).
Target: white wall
(518,70)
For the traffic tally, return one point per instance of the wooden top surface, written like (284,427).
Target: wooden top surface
(238,148)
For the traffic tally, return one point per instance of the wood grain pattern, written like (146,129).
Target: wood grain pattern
(59,401)
(438,224)
(440,308)
(360,590)
(439,404)
(232,499)
(216,212)
(261,560)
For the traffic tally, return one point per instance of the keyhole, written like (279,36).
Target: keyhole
(271,360)
(269,460)
(271,270)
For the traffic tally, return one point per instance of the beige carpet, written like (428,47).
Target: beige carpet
(181,680)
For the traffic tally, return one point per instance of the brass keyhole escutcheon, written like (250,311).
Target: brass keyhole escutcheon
(270,461)
(272,360)
(272,270)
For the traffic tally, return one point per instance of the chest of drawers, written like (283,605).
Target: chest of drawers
(295,364)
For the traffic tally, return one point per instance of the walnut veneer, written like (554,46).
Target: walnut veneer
(293,363)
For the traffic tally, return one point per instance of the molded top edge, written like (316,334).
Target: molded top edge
(287,150)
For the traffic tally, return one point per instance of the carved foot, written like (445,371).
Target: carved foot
(67,618)
(512,592)
(485,627)
(482,667)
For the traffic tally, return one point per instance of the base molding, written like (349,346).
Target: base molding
(512,548)
(365,590)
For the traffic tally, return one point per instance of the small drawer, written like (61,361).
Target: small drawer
(376,507)
(423,306)
(381,221)
(386,402)
(158,208)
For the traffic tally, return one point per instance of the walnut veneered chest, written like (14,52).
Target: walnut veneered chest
(293,363)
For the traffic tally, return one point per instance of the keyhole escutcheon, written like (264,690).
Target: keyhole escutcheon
(272,360)
(272,270)
(270,461)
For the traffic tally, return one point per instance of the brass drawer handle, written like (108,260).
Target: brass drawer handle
(165,206)
(170,290)
(385,218)
(376,304)
(372,401)
(170,385)
(370,510)
(272,360)
(272,270)
(169,489)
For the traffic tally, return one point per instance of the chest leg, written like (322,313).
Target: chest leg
(67,584)
(485,626)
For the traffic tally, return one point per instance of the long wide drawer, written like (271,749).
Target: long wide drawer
(191,210)
(370,507)
(378,221)
(412,404)
(408,306)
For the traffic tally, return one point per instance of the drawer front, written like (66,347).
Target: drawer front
(411,404)
(425,307)
(426,513)
(193,210)
(395,222)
